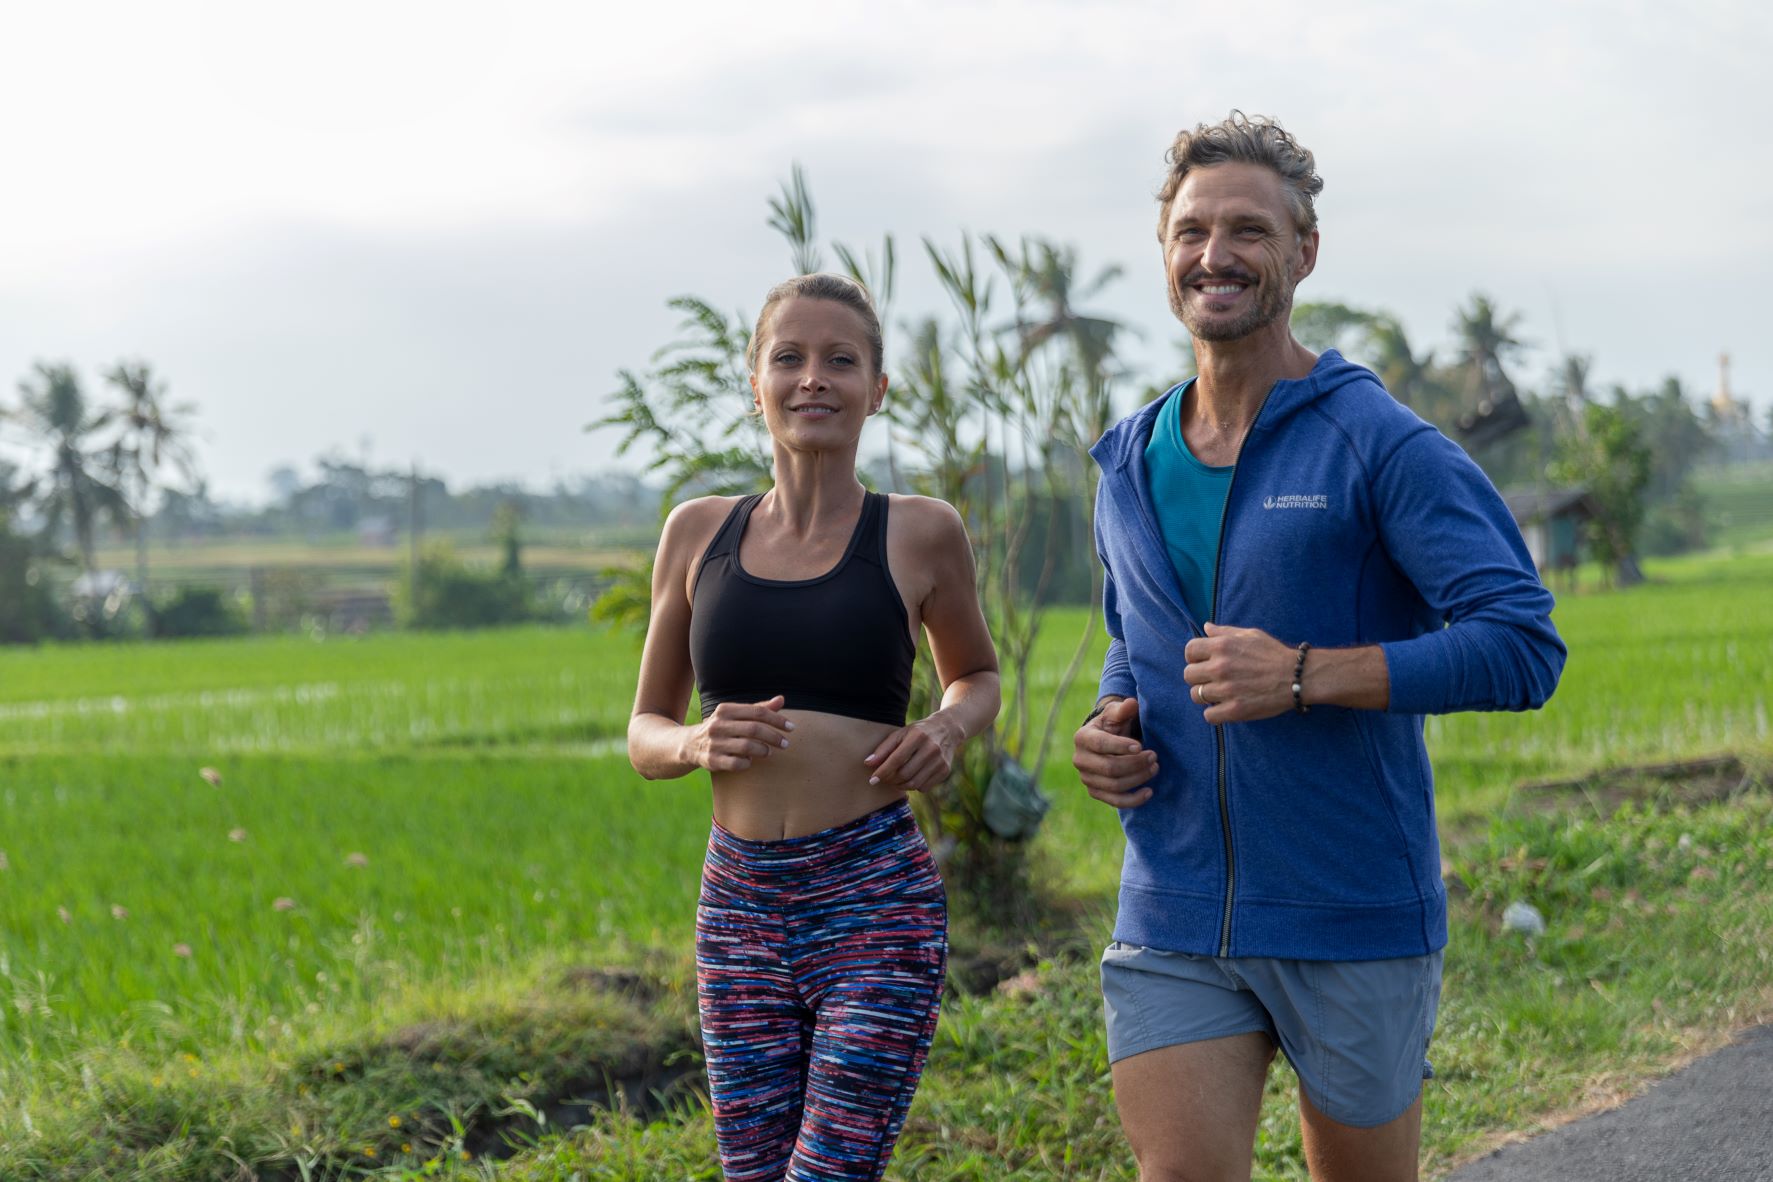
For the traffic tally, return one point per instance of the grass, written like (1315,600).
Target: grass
(561,688)
(1680,666)
(1738,504)
(302,885)
(1657,942)
(415,840)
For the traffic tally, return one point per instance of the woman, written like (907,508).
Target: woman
(821,936)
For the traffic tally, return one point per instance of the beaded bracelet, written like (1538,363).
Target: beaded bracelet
(1299,706)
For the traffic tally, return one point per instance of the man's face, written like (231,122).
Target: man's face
(1232,251)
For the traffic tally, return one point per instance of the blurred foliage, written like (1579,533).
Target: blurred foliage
(198,611)
(442,591)
(1610,458)
(1567,437)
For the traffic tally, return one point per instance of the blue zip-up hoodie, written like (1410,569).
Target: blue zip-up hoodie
(1349,522)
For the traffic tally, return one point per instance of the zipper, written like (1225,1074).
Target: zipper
(1219,728)
(1230,858)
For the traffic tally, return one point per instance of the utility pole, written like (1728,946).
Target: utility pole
(415,534)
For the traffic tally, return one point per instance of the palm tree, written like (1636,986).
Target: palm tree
(22,599)
(1571,380)
(151,437)
(1396,362)
(15,493)
(1326,324)
(76,493)
(1377,337)
(1047,273)
(1487,340)
(1045,278)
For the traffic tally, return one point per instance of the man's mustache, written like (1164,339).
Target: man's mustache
(1194,277)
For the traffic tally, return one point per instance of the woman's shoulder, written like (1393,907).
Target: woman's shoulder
(928,519)
(700,509)
(692,525)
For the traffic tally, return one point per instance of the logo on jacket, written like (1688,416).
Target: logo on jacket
(1297,501)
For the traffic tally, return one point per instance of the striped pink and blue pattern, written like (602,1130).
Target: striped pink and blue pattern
(820,963)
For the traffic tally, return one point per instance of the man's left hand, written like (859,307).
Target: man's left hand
(1239,674)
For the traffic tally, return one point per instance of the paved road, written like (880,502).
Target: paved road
(1712,1122)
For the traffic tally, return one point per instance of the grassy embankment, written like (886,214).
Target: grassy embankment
(368,945)
(1739,505)
(344,555)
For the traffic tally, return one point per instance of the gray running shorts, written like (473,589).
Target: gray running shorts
(1355,1031)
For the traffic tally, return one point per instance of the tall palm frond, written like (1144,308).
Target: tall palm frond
(77,494)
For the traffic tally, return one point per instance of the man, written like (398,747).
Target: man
(1299,569)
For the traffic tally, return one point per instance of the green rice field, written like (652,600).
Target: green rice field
(225,847)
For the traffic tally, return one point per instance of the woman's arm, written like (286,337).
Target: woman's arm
(919,756)
(660,746)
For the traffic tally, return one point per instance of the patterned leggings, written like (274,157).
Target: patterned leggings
(819,962)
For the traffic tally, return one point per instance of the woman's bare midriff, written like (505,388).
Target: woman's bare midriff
(818,781)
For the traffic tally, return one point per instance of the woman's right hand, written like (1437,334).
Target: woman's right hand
(737,733)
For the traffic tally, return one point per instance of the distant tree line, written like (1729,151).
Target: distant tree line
(1634,452)
(346,497)
(87,471)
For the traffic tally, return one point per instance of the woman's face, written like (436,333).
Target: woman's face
(814,382)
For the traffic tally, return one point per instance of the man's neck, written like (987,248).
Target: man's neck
(1236,376)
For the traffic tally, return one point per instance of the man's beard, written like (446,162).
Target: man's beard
(1271,302)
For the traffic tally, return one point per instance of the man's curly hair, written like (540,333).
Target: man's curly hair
(1244,140)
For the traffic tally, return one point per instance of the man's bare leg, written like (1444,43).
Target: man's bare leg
(1342,1153)
(1190,1111)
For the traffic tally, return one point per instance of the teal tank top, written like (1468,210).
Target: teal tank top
(1190,501)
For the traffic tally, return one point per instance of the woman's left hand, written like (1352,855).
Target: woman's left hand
(916,757)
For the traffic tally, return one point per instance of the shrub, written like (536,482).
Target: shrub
(27,608)
(445,592)
(283,597)
(198,611)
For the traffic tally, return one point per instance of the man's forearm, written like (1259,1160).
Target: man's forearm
(1354,677)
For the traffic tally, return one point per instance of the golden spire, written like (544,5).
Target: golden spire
(1723,403)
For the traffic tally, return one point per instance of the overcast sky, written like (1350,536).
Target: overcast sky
(434,231)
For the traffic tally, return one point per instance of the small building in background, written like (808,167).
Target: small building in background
(376,531)
(1551,522)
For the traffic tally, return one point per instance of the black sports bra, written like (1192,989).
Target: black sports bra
(839,643)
